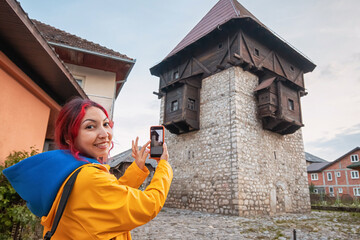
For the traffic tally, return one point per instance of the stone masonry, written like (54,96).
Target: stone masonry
(232,165)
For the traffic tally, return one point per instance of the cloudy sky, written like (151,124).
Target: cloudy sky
(326,31)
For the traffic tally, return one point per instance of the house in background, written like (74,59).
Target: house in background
(120,162)
(310,159)
(100,71)
(336,178)
(34,83)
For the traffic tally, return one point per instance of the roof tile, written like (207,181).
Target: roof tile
(52,34)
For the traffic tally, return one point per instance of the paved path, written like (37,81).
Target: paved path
(185,224)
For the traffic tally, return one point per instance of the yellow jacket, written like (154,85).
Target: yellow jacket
(103,207)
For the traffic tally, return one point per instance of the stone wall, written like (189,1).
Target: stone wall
(231,165)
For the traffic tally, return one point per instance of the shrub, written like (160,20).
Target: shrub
(346,199)
(16,220)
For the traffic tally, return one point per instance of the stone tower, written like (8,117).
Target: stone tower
(230,101)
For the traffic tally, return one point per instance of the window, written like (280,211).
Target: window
(256,52)
(354,174)
(316,190)
(291,104)
(354,158)
(356,191)
(338,174)
(80,80)
(314,176)
(340,190)
(329,176)
(292,68)
(176,75)
(191,104)
(174,106)
(331,190)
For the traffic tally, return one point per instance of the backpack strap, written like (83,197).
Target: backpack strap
(64,198)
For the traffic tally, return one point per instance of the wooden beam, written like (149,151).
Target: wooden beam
(248,50)
(261,63)
(201,66)
(282,68)
(182,73)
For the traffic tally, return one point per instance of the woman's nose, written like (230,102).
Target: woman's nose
(103,132)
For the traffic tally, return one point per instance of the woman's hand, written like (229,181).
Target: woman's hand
(140,155)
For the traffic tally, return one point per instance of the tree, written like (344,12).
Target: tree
(16,220)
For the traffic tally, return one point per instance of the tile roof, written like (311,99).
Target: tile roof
(314,159)
(54,35)
(317,167)
(221,13)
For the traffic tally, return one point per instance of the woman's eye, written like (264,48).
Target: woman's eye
(89,127)
(107,124)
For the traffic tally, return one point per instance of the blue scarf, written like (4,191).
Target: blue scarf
(37,179)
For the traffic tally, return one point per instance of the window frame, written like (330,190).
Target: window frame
(338,174)
(173,104)
(191,102)
(357,174)
(340,190)
(313,175)
(356,190)
(355,159)
(81,79)
(329,174)
(291,104)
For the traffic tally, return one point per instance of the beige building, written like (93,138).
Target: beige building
(100,71)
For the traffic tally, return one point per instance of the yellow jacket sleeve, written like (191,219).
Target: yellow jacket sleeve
(100,207)
(134,176)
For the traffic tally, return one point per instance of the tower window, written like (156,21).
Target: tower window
(220,45)
(256,52)
(291,104)
(176,75)
(191,104)
(174,106)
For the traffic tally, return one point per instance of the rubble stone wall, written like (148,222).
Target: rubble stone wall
(232,165)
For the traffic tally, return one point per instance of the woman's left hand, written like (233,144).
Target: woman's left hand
(140,155)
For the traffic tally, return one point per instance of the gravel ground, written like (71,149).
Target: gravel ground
(185,224)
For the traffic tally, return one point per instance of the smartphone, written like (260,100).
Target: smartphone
(157,136)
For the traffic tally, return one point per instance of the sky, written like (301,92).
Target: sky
(326,31)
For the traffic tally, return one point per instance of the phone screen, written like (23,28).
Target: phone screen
(157,141)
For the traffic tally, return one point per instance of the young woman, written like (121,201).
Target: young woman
(100,206)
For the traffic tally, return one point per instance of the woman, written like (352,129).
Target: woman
(100,206)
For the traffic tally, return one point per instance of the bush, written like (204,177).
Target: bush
(347,199)
(16,220)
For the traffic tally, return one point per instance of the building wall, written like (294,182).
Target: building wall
(231,165)
(24,117)
(345,181)
(98,85)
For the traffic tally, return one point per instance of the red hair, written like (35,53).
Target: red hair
(68,123)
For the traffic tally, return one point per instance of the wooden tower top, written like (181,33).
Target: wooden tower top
(231,11)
